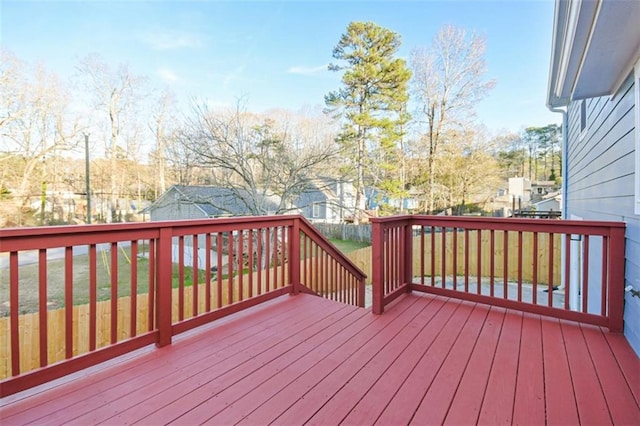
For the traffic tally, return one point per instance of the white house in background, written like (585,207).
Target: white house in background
(594,81)
(520,190)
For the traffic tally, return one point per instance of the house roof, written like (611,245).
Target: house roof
(214,201)
(595,46)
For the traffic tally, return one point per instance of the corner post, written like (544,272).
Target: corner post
(163,287)
(408,255)
(294,256)
(377,257)
(615,278)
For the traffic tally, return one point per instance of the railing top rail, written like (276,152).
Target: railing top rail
(508,224)
(15,239)
(326,245)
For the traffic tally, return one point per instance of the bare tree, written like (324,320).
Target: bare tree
(266,161)
(116,93)
(161,126)
(34,128)
(448,81)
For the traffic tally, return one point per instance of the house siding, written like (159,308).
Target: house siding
(600,181)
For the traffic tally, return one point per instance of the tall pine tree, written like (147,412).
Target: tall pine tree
(372,103)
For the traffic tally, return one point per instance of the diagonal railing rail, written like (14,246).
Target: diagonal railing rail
(75,296)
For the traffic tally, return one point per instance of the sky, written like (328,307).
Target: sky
(274,54)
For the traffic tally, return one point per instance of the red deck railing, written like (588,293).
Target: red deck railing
(566,269)
(80,295)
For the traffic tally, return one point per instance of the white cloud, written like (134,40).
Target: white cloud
(169,40)
(168,76)
(302,70)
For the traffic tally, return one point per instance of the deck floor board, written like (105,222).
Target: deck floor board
(302,359)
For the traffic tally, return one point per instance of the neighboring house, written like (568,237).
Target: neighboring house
(327,200)
(375,200)
(201,202)
(541,188)
(520,190)
(549,203)
(595,83)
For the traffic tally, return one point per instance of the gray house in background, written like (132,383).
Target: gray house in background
(595,83)
(327,200)
(201,202)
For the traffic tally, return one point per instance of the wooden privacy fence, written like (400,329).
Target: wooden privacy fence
(433,261)
(583,260)
(29,324)
(235,263)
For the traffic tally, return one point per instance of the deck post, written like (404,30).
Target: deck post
(615,272)
(163,286)
(407,256)
(294,256)
(377,265)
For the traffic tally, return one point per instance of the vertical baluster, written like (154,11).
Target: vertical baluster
(42,306)
(479,260)
(260,242)
(219,269)
(240,265)
(114,292)
(180,277)
(422,249)
(551,269)
(567,270)
(454,261)
(250,261)
(152,285)
(585,273)
(466,260)
(534,295)
(230,263)
(196,271)
(505,267)
(207,272)
(603,279)
(68,302)
(519,266)
(14,310)
(492,257)
(443,236)
(276,253)
(268,258)
(284,249)
(433,256)
(133,314)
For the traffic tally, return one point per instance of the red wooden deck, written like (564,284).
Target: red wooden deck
(304,359)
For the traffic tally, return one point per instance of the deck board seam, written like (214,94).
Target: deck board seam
(408,343)
(392,397)
(308,351)
(466,365)
(408,302)
(453,344)
(237,367)
(225,354)
(350,355)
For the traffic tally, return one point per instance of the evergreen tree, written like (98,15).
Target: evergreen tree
(372,103)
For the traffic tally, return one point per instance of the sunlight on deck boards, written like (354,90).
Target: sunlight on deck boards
(304,359)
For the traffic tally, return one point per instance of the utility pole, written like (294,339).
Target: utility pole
(87,176)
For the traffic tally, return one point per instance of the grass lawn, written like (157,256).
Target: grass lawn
(28,280)
(347,246)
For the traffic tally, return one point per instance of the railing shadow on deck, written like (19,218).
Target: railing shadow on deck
(566,269)
(79,295)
